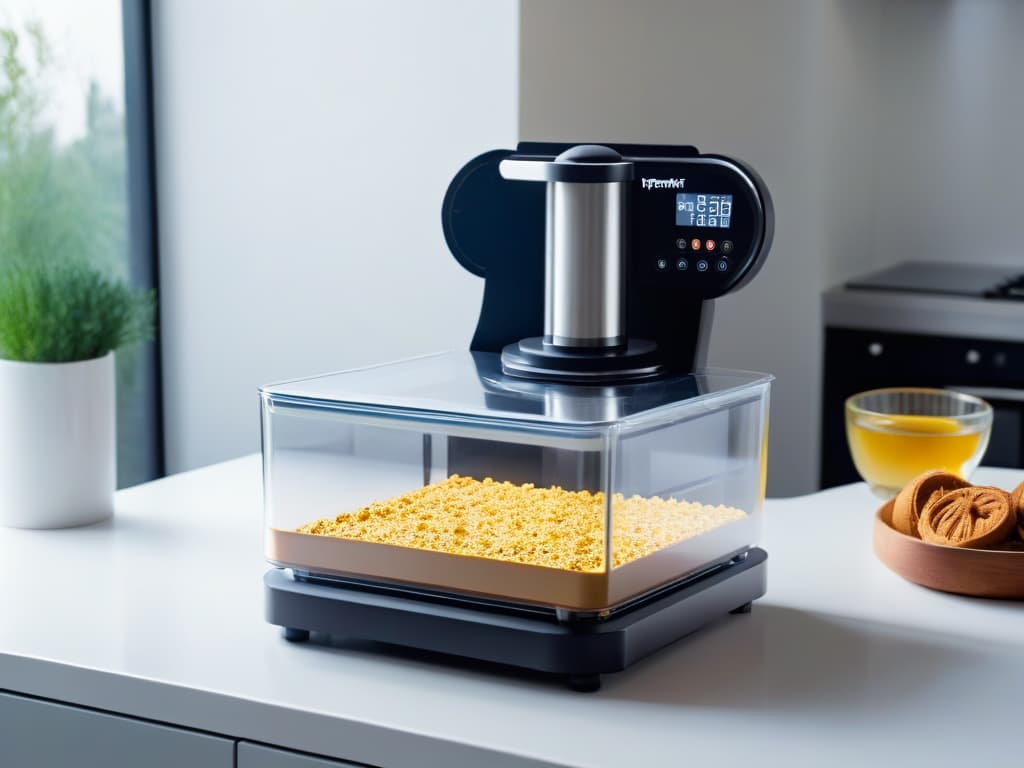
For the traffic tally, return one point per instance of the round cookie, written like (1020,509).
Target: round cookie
(916,494)
(1017,504)
(977,517)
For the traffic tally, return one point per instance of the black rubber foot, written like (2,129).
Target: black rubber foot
(745,608)
(295,635)
(584,683)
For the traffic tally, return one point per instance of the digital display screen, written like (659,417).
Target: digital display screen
(698,209)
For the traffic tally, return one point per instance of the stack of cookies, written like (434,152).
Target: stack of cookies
(942,508)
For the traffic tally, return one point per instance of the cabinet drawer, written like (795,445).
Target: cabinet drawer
(256,756)
(41,734)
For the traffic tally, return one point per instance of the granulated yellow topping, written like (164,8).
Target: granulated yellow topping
(524,524)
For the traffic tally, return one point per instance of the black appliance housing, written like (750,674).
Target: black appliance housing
(495,228)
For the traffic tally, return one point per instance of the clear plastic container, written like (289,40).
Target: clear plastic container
(441,473)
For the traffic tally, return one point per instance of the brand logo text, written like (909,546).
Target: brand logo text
(663,183)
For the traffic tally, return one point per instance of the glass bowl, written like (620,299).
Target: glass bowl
(898,433)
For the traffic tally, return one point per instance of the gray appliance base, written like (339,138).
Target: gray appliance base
(579,650)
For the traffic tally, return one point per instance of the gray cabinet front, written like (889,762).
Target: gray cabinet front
(256,756)
(41,734)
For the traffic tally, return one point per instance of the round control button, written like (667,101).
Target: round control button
(661,264)
(702,265)
(725,246)
(682,265)
(682,243)
(695,244)
(709,244)
(721,265)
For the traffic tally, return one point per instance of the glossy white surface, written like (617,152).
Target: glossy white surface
(158,613)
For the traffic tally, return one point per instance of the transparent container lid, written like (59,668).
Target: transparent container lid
(469,386)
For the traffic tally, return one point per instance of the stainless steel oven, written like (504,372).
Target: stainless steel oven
(956,326)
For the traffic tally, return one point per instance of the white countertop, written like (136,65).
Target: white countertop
(158,614)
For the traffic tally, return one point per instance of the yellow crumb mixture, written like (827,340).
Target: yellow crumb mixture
(524,524)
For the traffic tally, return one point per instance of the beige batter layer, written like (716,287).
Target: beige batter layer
(549,527)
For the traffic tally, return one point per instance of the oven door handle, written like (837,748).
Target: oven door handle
(992,393)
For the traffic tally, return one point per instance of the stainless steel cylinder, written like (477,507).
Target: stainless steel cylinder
(560,405)
(584,302)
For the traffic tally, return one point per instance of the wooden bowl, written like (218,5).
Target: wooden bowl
(997,573)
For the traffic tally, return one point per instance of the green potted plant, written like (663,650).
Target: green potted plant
(60,324)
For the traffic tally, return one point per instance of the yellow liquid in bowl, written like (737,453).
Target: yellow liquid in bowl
(889,451)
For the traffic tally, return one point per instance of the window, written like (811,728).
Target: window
(76,169)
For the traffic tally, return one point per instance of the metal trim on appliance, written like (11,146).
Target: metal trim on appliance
(520,168)
(1005,394)
(928,315)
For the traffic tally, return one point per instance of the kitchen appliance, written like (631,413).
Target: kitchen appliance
(568,495)
(926,324)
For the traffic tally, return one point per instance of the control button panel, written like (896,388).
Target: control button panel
(703,218)
(714,260)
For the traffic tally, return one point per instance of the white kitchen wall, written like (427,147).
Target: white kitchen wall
(884,130)
(303,150)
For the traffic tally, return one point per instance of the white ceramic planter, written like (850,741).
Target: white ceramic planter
(58,465)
